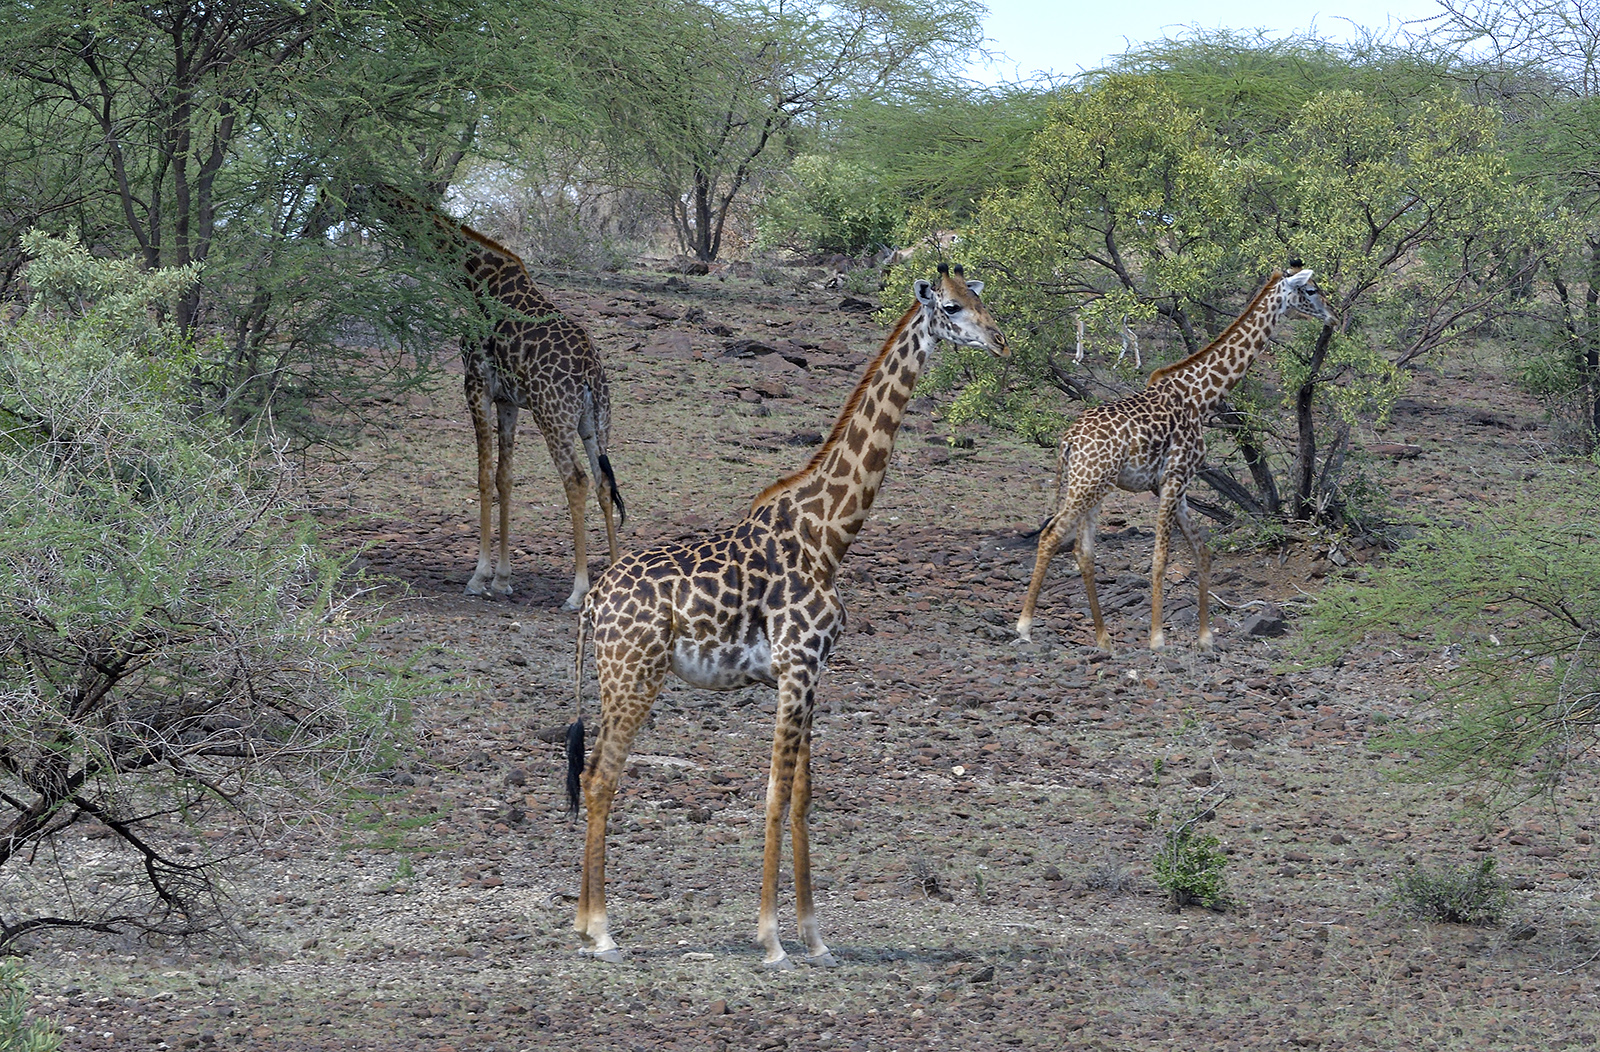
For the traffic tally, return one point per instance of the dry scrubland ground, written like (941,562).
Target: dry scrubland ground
(980,831)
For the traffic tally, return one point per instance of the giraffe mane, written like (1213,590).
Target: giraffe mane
(843,422)
(449,223)
(1167,370)
(491,244)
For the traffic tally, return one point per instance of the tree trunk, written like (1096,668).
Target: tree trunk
(1305,461)
(1589,363)
(703,249)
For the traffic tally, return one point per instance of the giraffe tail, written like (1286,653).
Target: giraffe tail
(575,729)
(609,479)
(1062,457)
(1061,477)
(590,433)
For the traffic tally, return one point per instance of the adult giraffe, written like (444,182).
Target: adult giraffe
(533,357)
(756,603)
(1154,441)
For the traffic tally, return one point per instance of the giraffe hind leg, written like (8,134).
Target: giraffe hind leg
(1085,546)
(563,453)
(627,692)
(1195,534)
(1060,526)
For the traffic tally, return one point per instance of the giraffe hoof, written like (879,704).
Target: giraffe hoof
(782,964)
(611,956)
(825,959)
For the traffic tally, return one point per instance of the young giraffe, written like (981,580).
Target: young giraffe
(1154,441)
(755,603)
(534,357)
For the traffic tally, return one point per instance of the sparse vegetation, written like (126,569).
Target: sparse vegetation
(1466,894)
(1188,865)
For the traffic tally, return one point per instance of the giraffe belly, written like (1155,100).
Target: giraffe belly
(1137,478)
(719,665)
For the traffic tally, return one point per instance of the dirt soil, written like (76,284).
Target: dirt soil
(986,813)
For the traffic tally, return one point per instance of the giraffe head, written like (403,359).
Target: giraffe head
(956,314)
(1301,296)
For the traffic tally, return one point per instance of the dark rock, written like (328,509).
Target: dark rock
(1269,623)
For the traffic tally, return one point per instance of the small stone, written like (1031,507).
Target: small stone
(1267,623)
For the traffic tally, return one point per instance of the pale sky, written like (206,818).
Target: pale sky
(1068,36)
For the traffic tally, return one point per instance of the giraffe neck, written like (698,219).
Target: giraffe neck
(1205,377)
(492,271)
(828,500)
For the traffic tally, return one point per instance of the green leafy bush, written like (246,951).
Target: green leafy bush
(1188,866)
(1513,601)
(1453,895)
(17,1034)
(830,206)
(175,646)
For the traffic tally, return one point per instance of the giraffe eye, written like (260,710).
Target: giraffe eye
(952,308)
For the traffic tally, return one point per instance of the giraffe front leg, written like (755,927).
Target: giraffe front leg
(478,409)
(1195,534)
(817,952)
(501,585)
(1158,562)
(793,698)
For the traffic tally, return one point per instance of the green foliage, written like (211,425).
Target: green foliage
(693,114)
(17,1034)
(1188,865)
(942,144)
(65,277)
(174,642)
(1453,895)
(830,206)
(1514,600)
(1150,213)
(191,133)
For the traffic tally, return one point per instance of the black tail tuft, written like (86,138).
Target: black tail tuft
(574,765)
(616,494)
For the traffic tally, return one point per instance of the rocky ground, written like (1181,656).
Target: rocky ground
(986,812)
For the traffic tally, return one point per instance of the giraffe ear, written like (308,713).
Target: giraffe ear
(975,287)
(1299,277)
(923,290)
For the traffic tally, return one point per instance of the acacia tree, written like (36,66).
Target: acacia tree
(176,651)
(197,133)
(697,110)
(1549,51)
(1140,216)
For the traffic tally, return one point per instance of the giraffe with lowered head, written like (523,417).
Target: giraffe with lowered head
(532,357)
(1154,440)
(755,603)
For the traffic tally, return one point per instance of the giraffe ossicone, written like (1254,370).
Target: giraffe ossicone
(1155,441)
(755,603)
(532,357)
